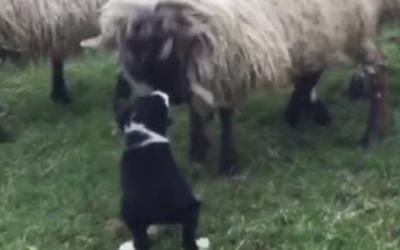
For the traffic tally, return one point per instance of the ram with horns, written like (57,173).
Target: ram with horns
(213,53)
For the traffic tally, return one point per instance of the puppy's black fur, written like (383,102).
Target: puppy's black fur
(154,190)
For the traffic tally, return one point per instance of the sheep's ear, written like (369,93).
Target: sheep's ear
(166,49)
(183,19)
(196,30)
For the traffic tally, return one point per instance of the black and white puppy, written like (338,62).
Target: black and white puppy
(154,191)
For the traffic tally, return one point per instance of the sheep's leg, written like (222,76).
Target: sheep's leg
(4,136)
(199,141)
(59,92)
(358,85)
(227,150)
(375,68)
(377,80)
(304,100)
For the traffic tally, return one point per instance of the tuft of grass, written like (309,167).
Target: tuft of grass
(311,188)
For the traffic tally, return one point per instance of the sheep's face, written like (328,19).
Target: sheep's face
(149,56)
(150,111)
(156,52)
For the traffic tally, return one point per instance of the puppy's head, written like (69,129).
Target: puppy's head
(150,111)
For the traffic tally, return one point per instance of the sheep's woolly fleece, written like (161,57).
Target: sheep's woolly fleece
(41,27)
(114,19)
(265,43)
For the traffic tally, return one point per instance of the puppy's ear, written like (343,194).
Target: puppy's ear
(122,112)
(163,97)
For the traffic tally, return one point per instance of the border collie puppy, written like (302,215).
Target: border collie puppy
(154,190)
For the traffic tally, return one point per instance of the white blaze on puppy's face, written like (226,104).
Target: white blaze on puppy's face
(163,95)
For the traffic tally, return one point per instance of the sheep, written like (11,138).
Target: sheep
(213,53)
(31,29)
(49,29)
(153,187)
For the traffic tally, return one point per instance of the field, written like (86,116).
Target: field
(306,189)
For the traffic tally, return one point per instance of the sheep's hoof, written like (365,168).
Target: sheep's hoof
(198,156)
(62,98)
(228,172)
(322,114)
(227,168)
(364,142)
(4,136)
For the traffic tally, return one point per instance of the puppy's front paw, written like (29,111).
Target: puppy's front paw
(203,243)
(154,230)
(128,245)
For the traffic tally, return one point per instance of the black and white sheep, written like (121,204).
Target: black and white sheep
(213,53)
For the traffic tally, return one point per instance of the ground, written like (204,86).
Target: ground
(309,188)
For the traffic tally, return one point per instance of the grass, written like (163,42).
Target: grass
(306,189)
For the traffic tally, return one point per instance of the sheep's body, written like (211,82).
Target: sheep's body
(34,29)
(264,43)
(47,27)
(114,21)
(254,44)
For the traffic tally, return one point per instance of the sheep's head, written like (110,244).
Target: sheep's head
(157,50)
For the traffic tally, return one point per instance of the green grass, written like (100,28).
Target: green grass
(309,189)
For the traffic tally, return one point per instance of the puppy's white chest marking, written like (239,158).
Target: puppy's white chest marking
(152,137)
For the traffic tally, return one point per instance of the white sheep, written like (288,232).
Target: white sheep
(33,29)
(215,52)
(43,28)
